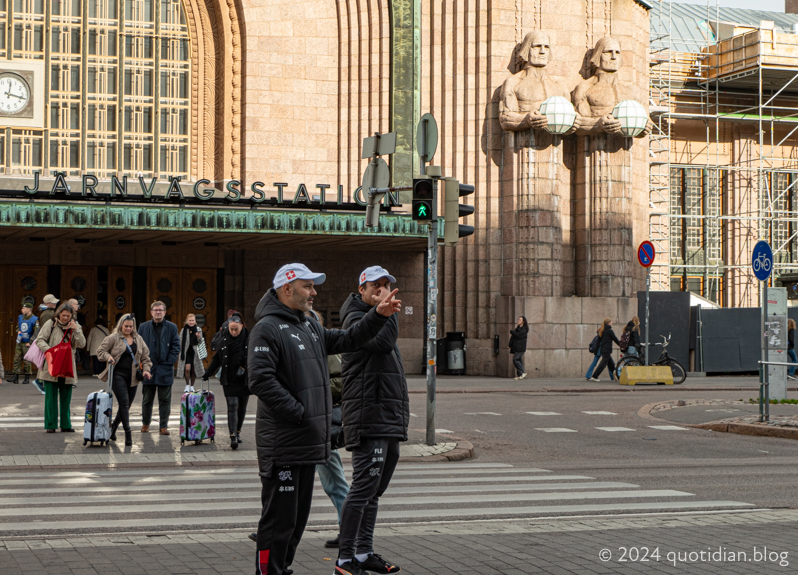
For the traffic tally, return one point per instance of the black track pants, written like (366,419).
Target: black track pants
(236,412)
(373,464)
(286,497)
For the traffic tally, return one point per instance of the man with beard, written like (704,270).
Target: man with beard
(288,372)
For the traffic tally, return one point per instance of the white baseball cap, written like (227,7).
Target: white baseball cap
(374,273)
(291,272)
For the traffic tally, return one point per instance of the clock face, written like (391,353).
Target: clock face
(14,93)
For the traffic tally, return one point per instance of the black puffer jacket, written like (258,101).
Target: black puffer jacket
(605,343)
(231,357)
(518,338)
(634,335)
(375,399)
(288,372)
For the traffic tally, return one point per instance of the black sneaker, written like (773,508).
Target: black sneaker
(332,543)
(377,564)
(349,568)
(253,537)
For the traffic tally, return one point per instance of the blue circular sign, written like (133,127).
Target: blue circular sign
(762,260)
(645,254)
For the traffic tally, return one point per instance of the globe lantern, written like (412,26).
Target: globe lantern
(560,114)
(632,116)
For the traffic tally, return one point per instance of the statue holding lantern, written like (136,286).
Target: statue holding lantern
(611,118)
(535,112)
(604,102)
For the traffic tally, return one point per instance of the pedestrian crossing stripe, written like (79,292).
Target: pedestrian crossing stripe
(543,413)
(667,427)
(614,429)
(556,429)
(599,413)
(151,499)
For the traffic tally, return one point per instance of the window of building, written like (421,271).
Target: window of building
(783,188)
(117,98)
(696,241)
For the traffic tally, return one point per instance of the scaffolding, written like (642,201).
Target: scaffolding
(723,160)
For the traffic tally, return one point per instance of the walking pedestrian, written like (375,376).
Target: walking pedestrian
(216,340)
(607,336)
(231,358)
(376,411)
(61,327)
(27,329)
(288,372)
(130,356)
(96,336)
(633,339)
(331,474)
(517,346)
(48,311)
(791,347)
(162,340)
(190,365)
(596,350)
(2,369)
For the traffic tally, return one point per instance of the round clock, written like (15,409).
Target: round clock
(14,93)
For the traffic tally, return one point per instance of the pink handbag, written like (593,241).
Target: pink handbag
(34,355)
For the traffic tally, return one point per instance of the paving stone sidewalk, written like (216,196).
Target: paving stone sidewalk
(761,542)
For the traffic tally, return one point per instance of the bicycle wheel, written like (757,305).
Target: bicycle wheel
(679,374)
(629,360)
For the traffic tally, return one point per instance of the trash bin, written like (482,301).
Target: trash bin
(455,353)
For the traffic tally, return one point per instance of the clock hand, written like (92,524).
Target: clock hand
(18,97)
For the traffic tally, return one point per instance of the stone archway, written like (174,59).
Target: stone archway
(216,88)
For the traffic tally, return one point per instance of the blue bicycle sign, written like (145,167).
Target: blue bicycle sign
(762,260)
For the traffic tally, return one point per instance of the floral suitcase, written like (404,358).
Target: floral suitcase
(197,416)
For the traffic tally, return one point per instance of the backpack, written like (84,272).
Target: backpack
(593,347)
(216,341)
(625,340)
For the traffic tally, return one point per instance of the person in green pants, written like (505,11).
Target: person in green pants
(59,389)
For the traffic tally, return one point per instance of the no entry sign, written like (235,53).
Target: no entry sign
(645,254)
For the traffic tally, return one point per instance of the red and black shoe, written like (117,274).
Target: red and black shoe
(377,564)
(349,568)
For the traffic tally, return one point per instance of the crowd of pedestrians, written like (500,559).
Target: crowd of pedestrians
(318,390)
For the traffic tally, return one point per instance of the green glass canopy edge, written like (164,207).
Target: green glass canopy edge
(189,219)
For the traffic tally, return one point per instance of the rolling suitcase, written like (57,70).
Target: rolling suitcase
(99,411)
(197,416)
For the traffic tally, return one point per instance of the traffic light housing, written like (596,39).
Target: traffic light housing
(453,230)
(423,199)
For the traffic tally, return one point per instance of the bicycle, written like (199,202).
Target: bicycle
(679,373)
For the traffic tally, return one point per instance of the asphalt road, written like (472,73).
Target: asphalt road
(758,470)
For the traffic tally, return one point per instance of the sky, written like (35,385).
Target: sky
(771,5)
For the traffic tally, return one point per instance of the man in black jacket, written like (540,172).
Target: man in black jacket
(376,412)
(288,372)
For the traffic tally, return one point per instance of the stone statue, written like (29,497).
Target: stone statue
(605,200)
(595,98)
(522,93)
(535,178)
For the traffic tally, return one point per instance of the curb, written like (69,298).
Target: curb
(724,426)
(752,429)
(624,388)
(463,450)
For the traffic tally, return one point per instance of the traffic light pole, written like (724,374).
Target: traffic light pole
(432,311)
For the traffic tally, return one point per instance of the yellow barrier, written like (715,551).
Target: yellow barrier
(632,375)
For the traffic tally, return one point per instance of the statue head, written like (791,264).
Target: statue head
(606,55)
(535,50)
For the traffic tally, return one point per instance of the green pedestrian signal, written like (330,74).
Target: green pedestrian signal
(423,200)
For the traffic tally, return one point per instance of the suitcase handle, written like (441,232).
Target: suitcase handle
(110,377)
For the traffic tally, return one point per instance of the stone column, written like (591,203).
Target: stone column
(605,250)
